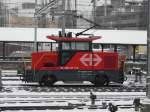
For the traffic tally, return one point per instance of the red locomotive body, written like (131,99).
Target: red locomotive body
(74,60)
(80,61)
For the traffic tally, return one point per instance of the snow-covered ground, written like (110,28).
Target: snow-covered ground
(20,97)
(75,110)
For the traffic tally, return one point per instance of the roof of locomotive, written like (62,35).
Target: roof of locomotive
(73,39)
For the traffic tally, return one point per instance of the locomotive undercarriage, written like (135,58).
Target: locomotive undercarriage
(48,78)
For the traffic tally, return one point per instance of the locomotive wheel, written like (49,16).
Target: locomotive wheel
(41,83)
(101,80)
(47,81)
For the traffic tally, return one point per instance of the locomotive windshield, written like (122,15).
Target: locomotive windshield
(80,46)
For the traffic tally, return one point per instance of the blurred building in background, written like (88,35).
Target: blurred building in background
(22,13)
(110,14)
(123,14)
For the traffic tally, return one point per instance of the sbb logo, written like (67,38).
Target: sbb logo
(90,59)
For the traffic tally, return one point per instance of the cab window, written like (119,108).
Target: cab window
(75,46)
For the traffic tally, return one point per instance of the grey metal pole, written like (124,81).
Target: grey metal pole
(5,14)
(148,53)
(35,27)
(105,8)
(63,17)
(75,5)
(75,20)
(94,10)
(0,79)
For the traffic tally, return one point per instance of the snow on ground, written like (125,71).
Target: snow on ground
(16,82)
(73,97)
(75,110)
(131,81)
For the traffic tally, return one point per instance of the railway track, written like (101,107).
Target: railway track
(31,88)
(11,81)
(16,95)
(63,101)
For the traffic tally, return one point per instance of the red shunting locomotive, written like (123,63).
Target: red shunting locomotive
(74,60)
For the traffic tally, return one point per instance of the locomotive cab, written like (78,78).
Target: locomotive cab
(68,49)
